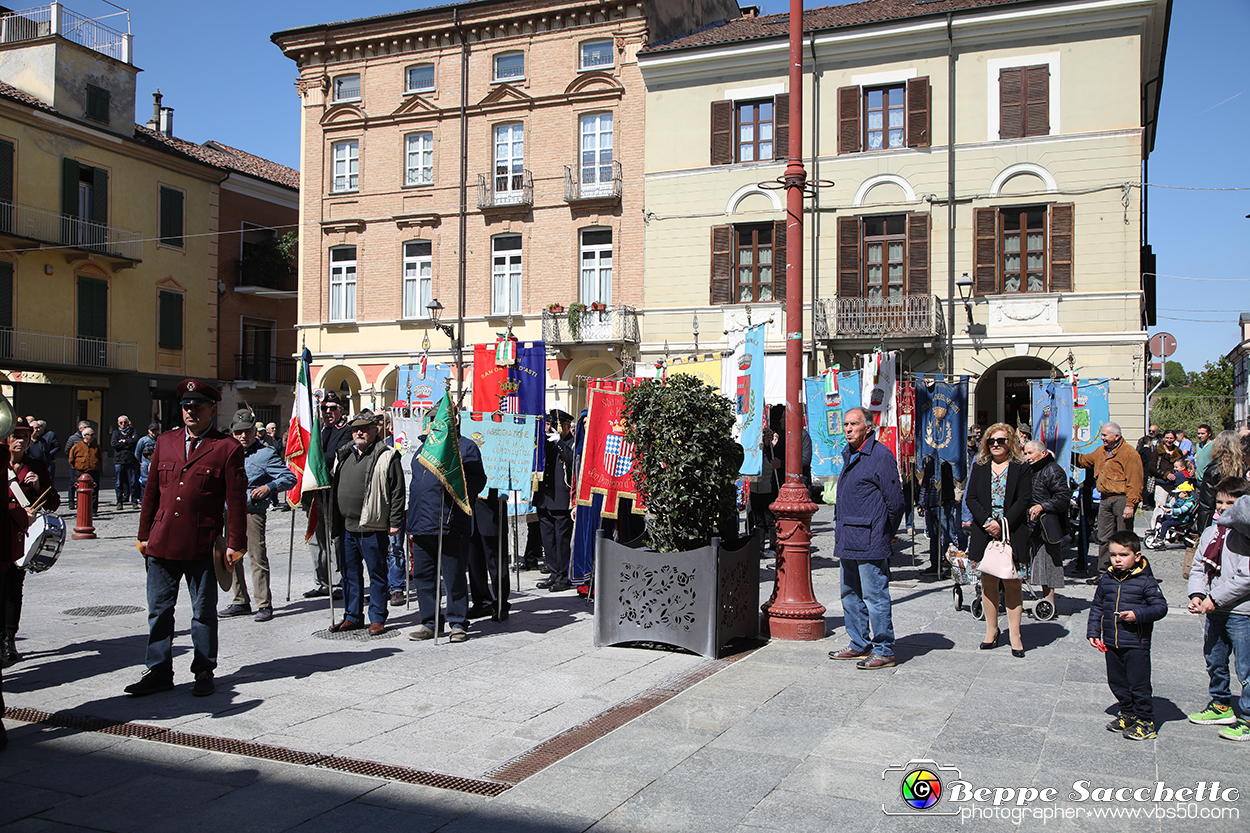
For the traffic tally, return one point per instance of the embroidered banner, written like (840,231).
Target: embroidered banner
(1053,415)
(418,390)
(825,410)
(519,388)
(508,444)
(877,393)
(942,421)
(706,367)
(749,392)
(906,426)
(607,459)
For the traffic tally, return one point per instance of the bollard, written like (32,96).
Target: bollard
(86,492)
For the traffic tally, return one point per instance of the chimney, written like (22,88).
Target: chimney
(167,121)
(749,11)
(155,122)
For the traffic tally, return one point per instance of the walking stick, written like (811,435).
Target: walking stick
(500,566)
(290,556)
(438,566)
(407,543)
(331,555)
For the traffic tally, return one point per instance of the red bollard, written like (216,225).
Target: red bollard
(86,493)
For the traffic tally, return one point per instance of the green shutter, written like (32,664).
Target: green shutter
(6,171)
(171,217)
(6,294)
(101,186)
(69,188)
(170,325)
(93,308)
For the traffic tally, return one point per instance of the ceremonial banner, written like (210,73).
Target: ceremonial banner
(406,433)
(942,422)
(304,456)
(749,393)
(508,448)
(1052,419)
(420,390)
(906,423)
(877,388)
(1091,411)
(607,459)
(825,411)
(519,388)
(707,368)
(441,454)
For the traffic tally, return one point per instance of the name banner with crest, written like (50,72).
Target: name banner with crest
(516,388)
(507,443)
(1053,419)
(421,390)
(607,458)
(942,422)
(749,393)
(827,403)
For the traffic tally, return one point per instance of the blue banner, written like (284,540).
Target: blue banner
(422,391)
(1090,412)
(1052,419)
(824,420)
(508,453)
(750,398)
(942,422)
(529,374)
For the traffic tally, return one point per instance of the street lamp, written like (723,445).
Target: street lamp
(436,313)
(964,284)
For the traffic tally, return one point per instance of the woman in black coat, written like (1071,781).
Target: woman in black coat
(1048,517)
(1000,490)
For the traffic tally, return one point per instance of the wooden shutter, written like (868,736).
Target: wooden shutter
(848,257)
(101,201)
(918,253)
(1037,100)
(779,260)
(781,126)
(69,187)
(171,217)
(985,220)
(6,171)
(722,264)
(849,134)
(6,295)
(1061,230)
(918,124)
(722,132)
(1011,103)
(169,325)
(1149,292)
(93,310)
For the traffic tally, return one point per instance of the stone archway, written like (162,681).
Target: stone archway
(1003,394)
(332,380)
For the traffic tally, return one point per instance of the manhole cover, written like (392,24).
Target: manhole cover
(104,610)
(361,635)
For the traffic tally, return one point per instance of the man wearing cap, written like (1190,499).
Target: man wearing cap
(555,518)
(265,473)
(196,472)
(143,454)
(85,458)
(335,433)
(367,497)
(125,466)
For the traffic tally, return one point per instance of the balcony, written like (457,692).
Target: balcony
(900,316)
(44,349)
(616,325)
(263,276)
(505,191)
(255,368)
(55,19)
(62,230)
(577,190)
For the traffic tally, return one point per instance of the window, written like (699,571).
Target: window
(753,264)
(420,79)
(343,283)
(346,166)
(169,328)
(509,163)
(883,257)
(7,169)
(171,217)
(1024,102)
(505,275)
(884,117)
(347,88)
(1024,249)
(419,159)
(885,241)
(93,321)
(97,104)
(750,131)
(418,278)
(596,277)
(596,161)
(597,54)
(84,205)
(509,66)
(6,309)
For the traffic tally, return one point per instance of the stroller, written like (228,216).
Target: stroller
(1175,520)
(965,573)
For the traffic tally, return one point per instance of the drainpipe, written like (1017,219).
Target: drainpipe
(950,196)
(462,278)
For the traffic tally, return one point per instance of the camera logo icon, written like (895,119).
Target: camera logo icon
(920,788)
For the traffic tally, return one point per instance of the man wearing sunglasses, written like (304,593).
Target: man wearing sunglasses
(335,433)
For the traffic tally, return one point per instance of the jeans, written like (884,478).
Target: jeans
(163,577)
(455,579)
(865,602)
(127,486)
(1110,521)
(1228,633)
(360,550)
(395,564)
(1128,675)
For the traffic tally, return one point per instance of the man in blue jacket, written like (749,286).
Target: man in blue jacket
(869,508)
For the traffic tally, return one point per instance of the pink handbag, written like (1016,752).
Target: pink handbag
(997,560)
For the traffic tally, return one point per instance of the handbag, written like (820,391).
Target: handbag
(1052,528)
(997,560)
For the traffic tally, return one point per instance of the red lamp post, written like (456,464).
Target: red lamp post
(792,611)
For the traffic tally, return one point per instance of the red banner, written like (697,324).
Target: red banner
(607,459)
(488,379)
(906,422)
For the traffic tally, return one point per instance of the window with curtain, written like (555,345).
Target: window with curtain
(343,283)
(418,278)
(595,285)
(346,166)
(753,263)
(596,161)
(419,159)
(885,256)
(505,276)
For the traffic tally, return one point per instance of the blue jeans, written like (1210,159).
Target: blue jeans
(360,550)
(1228,633)
(162,580)
(866,602)
(127,485)
(455,577)
(395,564)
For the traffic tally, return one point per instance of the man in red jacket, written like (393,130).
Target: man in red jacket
(195,473)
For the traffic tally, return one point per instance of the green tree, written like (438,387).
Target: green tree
(1174,375)
(1215,378)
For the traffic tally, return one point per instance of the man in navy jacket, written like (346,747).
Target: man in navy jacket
(869,508)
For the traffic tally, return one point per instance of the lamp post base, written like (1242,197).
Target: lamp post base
(792,611)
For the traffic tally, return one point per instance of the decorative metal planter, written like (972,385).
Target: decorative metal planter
(698,600)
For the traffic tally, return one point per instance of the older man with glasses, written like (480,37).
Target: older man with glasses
(335,433)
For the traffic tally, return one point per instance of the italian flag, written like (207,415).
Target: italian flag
(303,440)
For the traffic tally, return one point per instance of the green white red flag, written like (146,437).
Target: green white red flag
(304,456)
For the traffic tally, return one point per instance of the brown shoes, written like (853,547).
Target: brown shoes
(849,653)
(875,661)
(376,628)
(346,625)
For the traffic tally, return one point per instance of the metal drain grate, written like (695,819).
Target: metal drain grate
(104,610)
(414,776)
(361,635)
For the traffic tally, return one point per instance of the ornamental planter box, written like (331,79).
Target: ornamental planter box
(699,600)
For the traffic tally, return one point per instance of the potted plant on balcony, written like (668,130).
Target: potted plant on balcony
(577,311)
(598,306)
(684,587)
(556,308)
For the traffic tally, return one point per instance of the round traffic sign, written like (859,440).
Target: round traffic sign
(1162,345)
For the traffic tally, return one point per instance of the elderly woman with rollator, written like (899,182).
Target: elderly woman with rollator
(1048,519)
(1000,491)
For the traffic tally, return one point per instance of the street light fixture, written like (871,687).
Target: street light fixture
(436,313)
(964,284)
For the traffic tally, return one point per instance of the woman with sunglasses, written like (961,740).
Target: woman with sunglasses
(1000,490)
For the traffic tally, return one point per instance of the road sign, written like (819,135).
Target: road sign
(1162,345)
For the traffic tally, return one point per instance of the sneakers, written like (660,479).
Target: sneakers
(421,632)
(1139,729)
(1238,731)
(149,683)
(1214,714)
(849,653)
(1119,724)
(203,684)
(235,610)
(458,634)
(264,614)
(871,663)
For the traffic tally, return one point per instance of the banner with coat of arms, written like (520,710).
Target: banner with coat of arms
(1052,419)
(516,388)
(879,395)
(507,443)
(607,459)
(942,421)
(750,398)
(828,400)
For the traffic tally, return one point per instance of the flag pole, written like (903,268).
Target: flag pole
(290,556)
(331,553)
(438,565)
(407,545)
(502,543)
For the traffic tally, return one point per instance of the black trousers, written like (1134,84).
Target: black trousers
(533,543)
(11,599)
(486,586)
(556,526)
(1128,675)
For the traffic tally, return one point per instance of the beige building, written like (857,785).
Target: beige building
(1033,119)
(488,156)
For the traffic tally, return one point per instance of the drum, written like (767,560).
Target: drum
(44,538)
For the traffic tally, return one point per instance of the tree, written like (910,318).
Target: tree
(1215,378)
(1174,375)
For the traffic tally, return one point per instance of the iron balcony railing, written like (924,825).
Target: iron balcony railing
(578,189)
(263,274)
(249,367)
(62,230)
(67,351)
(55,19)
(504,190)
(615,324)
(896,316)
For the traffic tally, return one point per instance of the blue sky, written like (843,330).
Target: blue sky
(217,68)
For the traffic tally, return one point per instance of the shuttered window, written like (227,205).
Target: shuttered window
(750,131)
(749,263)
(6,294)
(1024,102)
(1021,249)
(6,186)
(170,320)
(171,217)
(884,117)
(883,256)
(96,106)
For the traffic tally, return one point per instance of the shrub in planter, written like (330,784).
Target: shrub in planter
(577,311)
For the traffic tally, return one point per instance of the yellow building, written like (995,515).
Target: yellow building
(993,139)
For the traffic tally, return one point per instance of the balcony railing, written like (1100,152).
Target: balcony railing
(255,368)
(265,275)
(617,324)
(897,316)
(62,230)
(505,190)
(578,190)
(55,19)
(68,351)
